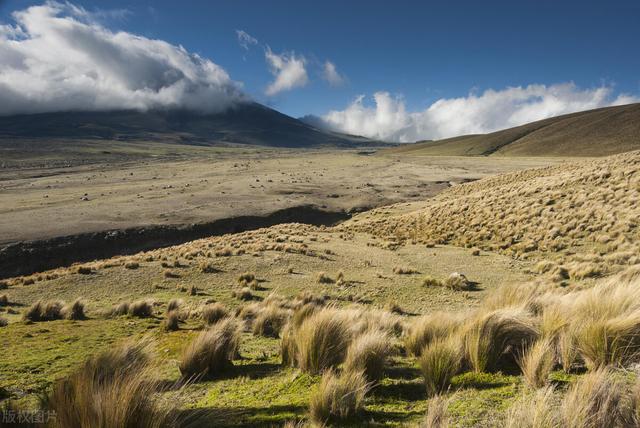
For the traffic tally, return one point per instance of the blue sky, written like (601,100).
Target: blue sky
(417,52)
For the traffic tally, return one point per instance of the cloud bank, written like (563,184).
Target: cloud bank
(388,119)
(288,70)
(56,57)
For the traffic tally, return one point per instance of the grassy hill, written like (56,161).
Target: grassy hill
(599,132)
(506,300)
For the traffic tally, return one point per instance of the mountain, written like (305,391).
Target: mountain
(598,132)
(247,123)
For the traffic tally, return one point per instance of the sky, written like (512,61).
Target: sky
(400,71)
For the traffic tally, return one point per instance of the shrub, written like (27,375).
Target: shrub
(141,309)
(212,351)
(75,311)
(113,389)
(489,336)
(428,328)
(437,414)
(269,321)
(338,398)
(368,354)
(439,362)
(595,400)
(534,411)
(211,314)
(537,363)
(171,322)
(321,341)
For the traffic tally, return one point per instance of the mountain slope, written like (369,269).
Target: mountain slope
(249,123)
(599,132)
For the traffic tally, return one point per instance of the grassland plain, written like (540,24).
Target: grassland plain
(546,254)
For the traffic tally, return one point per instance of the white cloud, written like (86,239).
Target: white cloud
(388,119)
(56,57)
(331,75)
(288,69)
(245,39)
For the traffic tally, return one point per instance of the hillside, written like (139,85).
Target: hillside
(581,214)
(249,123)
(599,132)
(480,305)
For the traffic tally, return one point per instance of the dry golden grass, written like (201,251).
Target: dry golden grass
(321,341)
(537,410)
(440,361)
(338,398)
(369,353)
(212,351)
(113,389)
(213,313)
(428,328)
(537,363)
(596,400)
(437,415)
(489,336)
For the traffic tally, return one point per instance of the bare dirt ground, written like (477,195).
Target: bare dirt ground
(207,184)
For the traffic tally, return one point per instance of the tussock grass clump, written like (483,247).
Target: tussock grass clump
(120,309)
(212,351)
(323,278)
(84,270)
(167,273)
(44,311)
(437,415)
(439,362)
(321,341)
(430,281)
(270,321)
(427,328)
(534,411)
(368,353)
(208,267)
(538,362)
(243,294)
(211,314)
(141,309)
(490,336)
(593,401)
(132,265)
(174,305)
(403,270)
(246,278)
(113,389)
(75,311)
(4,322)
(338,398)
(171,321)
(4,300)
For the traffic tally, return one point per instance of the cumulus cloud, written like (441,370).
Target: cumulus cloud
(246,40)
(57,57)
(331,75)
(388,119)
(288,70)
